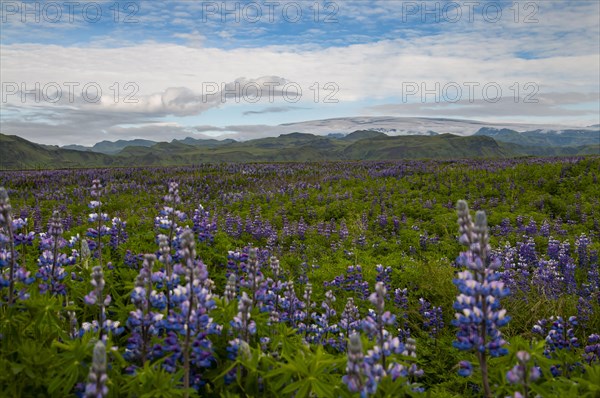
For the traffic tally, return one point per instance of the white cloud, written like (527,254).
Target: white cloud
(559,53)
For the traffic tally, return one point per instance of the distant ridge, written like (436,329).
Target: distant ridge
(552,138)
(210,143)
(110,147)
(18,153)
(363,134)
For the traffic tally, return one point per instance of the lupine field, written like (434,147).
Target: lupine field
(374,279)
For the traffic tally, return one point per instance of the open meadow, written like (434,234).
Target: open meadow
(320,279)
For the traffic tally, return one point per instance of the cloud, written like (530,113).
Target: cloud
(546,105)
(194,39)
(94,97)
(182,71)
(273,109)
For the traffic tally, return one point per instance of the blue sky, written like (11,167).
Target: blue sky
(170,69)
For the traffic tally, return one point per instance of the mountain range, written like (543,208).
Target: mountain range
(376,142)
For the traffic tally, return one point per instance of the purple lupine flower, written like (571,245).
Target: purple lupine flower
(307,296)
(19,275)
(547,279)
(582,243)
(51,272)
(173,194)
(189,316)
(584,310)
(6,223)
(593,275)
(566,266)
(432,318)
(382,220)
(354,281)
(465,368)
(410,348)
(73,324)
(21,238)
(522,373)
(276,287)
(302,227)
(237,348)
(324,325)
(519,222)
(204,226)
(143,322)
(592,349)
(51,263)
(118,233)
(561,334)
(423,240)
(479,315)
(242,322)
(396,223)
(374,323)
(531,228)
(231,288)
(354,377)
(384,274)
(302,311)
(97,218)
(360,376)
(96,298)
(545,229)
(361,240)
(401,302)
(343,233)
(291,305)
(527,253)
(255,276)
(505,227)
(350,318)
(132,260)
(96,386)
(553,248)
(8,226)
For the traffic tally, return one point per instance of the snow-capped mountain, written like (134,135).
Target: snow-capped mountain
(412,126)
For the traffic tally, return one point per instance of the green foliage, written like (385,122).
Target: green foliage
(38,357)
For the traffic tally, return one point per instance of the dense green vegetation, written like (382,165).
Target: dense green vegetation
(317,219)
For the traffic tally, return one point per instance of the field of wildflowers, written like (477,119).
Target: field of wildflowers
(371,279)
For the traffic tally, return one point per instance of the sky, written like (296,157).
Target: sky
(79,72)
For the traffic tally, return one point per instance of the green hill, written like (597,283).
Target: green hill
(18,153)
(443,146)
(539,138)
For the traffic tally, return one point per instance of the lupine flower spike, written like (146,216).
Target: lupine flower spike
(97,378)
(6,222)
(479,315)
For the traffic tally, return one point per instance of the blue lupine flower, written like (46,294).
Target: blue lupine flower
(354,377)
(559,336)
(592,349)
(143,321)
(465,368)
(522,374)
(479,315)
(97,378)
